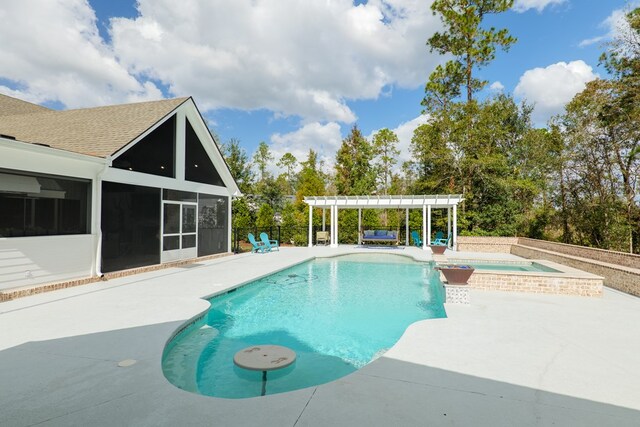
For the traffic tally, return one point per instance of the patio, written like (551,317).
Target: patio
(507,359)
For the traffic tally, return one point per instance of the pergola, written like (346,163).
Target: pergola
(427,203)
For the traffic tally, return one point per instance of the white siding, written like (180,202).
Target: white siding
(28,261)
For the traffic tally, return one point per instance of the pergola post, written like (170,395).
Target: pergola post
(424,227)
(323,219)
(335,227)
(455,228)
(333,224)
(310,226)
(448,222)
(359,226)
(428,238)
(406,228)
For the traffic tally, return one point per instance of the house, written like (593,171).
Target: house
(95,190)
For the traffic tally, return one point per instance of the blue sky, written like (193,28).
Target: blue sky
(295,74)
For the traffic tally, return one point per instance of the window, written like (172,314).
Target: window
(155,154)
(198,165)
(43,205)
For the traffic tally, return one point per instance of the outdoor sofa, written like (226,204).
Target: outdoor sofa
(378,236)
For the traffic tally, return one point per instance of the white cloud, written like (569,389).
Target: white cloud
(497,87)
(593,40)
(324,139)
(551,88)
(291,57)
(405,133)
(614,25)
(57,55)
(539,5)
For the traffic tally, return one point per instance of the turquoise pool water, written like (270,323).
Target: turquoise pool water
(534,266)
(337,314)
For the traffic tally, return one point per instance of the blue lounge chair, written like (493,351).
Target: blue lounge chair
(438,238)
(417,241)
(442,241)
(255,246)
(269,245)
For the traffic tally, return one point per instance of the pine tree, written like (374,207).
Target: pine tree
(385,147)
(354,174)
(472,47)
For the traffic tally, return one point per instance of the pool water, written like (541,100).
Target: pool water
(337,314)
(534,266)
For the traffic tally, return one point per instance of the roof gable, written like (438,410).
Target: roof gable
(98,132)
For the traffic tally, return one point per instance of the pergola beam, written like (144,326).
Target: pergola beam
(436,201)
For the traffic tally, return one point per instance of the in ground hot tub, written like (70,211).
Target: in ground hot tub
(533,276)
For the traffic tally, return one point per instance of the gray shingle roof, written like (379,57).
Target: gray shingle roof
(98,132)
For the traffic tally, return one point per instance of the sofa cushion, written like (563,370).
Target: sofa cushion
(368,233)
(382,233)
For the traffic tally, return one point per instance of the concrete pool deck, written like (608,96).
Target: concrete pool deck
(507,359)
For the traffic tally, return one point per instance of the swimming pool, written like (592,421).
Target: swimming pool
(337,314)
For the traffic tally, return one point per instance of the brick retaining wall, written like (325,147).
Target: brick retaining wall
(611,257)
(486,244)
(622,278)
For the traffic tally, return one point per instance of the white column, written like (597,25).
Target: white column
(323,219)
(406,228)
(330,225)
(424,227)
(332,214)
(230,226)
(181,127)
(429,224)
(359,226)
(455,228)
(336,208)
(310,225)
(448,222)
(96,219)
(96,223)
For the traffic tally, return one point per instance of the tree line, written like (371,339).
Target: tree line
(573,181)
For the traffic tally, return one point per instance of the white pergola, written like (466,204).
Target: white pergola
(427,203)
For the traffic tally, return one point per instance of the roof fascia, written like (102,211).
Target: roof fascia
(41,149)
